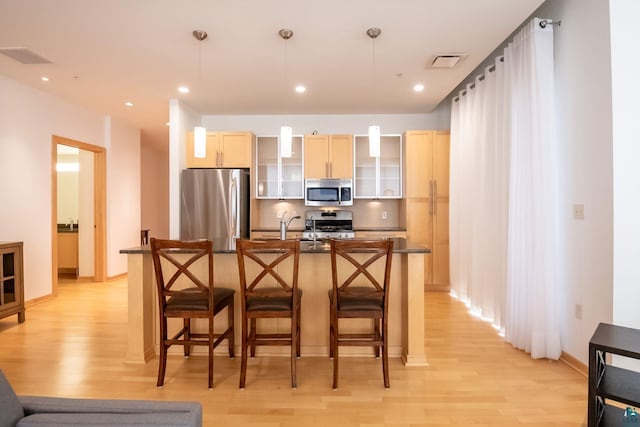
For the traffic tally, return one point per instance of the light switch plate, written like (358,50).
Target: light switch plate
(578,211)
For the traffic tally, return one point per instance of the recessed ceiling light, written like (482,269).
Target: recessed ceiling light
(183,89)
(129,104)
(418,87)
(301,89)
(44,78)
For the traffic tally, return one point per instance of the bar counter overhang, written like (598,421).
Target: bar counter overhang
(406,303)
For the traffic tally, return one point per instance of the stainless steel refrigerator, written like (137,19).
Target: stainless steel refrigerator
(214,204)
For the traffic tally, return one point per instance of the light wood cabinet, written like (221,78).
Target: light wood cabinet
(278,177)
(381,234)
(378,177)
(11,280)
(224,149)
(427,200)
(328,156)
(68,252)
(274,235)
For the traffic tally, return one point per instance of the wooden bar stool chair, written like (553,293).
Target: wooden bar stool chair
(269,289)
(358,293)
(181,294)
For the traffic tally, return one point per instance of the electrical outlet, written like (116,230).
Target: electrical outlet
(279,214)
(384,215)
(578,311)
(578,211)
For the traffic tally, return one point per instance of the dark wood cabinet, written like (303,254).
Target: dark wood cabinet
(611,383)
(11,280)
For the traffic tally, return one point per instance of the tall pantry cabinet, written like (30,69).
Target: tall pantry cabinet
(426,177)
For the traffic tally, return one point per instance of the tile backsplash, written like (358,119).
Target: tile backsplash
(366,213)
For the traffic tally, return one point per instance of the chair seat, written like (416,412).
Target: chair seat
(192,300)
(271,303)
(360,299)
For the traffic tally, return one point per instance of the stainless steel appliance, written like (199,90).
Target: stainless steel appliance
(328,224)
(214,204)
(328,192)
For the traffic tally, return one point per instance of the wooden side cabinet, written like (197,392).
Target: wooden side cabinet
(611,384)
(11,280)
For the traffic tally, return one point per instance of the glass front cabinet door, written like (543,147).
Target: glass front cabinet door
(378,177)
(278,177)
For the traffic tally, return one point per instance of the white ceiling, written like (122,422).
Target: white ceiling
(104,53)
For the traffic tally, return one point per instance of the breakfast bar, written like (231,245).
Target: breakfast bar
(406,303)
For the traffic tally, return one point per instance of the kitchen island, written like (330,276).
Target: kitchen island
(406,303)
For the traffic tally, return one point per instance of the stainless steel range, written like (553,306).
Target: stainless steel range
(328,224)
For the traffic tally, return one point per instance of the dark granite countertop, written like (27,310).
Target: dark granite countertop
(299,230)
(66,229)
(400,246)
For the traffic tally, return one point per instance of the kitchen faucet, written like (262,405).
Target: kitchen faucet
(284,225)
(70,224)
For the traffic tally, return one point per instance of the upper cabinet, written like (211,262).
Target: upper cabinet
(378,177)
(224,150)
(278,177)
(328,156)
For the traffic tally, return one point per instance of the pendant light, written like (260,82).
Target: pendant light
(199,132)
(286,133)
(374,130)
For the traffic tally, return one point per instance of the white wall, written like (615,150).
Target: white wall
(68,187)
(181,120)
(86,229)
(330,124)
(123,193)
(28,119)
(155,191)
(625,65)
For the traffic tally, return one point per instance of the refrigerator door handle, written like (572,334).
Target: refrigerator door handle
(234,206)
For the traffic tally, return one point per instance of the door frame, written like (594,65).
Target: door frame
(99,207)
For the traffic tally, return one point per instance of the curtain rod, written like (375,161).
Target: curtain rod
(543,24)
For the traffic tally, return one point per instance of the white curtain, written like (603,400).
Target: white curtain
(503,197)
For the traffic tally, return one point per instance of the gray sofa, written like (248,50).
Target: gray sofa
(54,411)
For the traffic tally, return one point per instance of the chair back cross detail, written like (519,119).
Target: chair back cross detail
(363,294)
(262,299)
(190,298)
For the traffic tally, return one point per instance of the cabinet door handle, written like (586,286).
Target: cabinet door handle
(430,197)
(326,169)
(330,169)
(435,195)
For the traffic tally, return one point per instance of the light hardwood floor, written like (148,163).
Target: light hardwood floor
(74,346)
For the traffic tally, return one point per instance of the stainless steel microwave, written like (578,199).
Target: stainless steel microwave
(328,192)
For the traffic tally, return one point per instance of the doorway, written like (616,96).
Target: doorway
(97,219)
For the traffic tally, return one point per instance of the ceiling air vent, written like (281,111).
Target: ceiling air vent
(446,61)
(23,55)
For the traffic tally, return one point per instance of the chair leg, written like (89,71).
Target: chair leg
(377,336)
(187,336)
(162,362)
(252,337)
(334,350)
(331,332)
(385,354)
(298,345)
(243,357)
(211,341)
(230,322)
(295,345)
